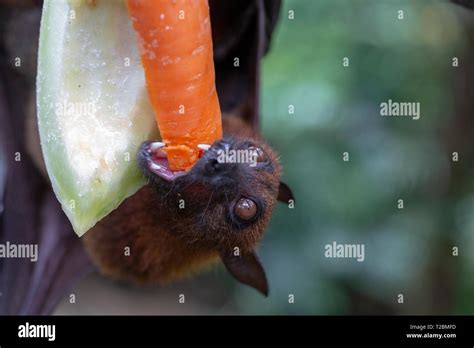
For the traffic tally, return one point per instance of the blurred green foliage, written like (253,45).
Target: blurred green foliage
(337,109)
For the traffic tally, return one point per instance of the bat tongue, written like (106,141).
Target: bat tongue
(160,167)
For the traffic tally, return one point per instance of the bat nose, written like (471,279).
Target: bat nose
(214,166)
(218,161)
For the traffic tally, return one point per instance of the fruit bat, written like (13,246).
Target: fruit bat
(180,223)
(227,206)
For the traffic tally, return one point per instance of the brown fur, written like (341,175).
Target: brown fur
(167,243)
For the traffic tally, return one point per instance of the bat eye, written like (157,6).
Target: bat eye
(260,155)
(246,209)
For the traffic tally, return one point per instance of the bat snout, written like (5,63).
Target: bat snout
(214,163)
(215,167)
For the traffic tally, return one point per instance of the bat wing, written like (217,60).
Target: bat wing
(241,36)
(30,216)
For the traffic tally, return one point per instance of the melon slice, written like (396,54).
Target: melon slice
(93,108)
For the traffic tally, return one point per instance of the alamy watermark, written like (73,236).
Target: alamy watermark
(28,330)
(406,109)
(20,251)
(248,156)
(75,109)
(345,251)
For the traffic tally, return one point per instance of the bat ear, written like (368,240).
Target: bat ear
(284,193)
(247,269)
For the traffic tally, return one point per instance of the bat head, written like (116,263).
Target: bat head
(224,202)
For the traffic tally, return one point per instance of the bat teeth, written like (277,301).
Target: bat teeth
(157,145)
(155,166)
(204,147)
(156,149)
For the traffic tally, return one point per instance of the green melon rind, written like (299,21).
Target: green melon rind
(83,204)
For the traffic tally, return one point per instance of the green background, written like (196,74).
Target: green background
(337,109)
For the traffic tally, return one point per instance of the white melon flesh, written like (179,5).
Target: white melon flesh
(93,108)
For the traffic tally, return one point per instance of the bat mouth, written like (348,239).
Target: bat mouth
(152,159)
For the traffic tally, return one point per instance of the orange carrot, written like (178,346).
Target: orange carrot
(176,51)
